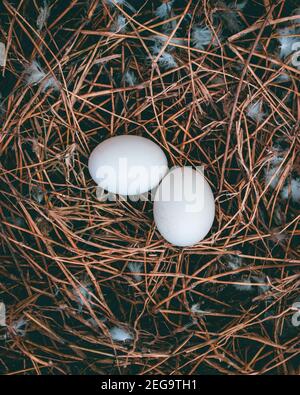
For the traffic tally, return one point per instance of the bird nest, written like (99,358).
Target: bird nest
(90,286)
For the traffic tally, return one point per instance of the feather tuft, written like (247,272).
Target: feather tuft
(254,111)
(18,328)
(120,334)
(35,76)
(164,10)
(292,190)
(166,60)
(245,285)
(287,41)
(136,269)
(201,37)
(82,293)
(119,25)
(43,16)
(130,78)
(195,309)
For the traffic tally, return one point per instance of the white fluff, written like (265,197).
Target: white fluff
(35,75)
(2,54)
(120,24)
(244,287)
(195,309)
(230,15)
(296,12)
(201,37)
(37,193)
(234,262)
(19,327)
(278,216)
(272,172)
(282,77)
(232,21)
(166,60)
(43,16)
(164,10)
(84,290)
(130,78)
(136,268)
(113,3)
(161,40)
(238,6)
(120,334)
(254,111)
(50,82)
(264,287)
(287,41)
(292,190)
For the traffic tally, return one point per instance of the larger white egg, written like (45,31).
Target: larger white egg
(184,207)
(128,165)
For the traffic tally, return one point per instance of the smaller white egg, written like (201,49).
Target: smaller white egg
(127,165)
(184,207)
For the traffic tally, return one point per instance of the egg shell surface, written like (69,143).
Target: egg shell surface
(127,165)
(184,207)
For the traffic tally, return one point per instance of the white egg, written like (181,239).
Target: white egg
(184,207)
(128,165)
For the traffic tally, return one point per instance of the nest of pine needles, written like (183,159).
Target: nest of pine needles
(90,286)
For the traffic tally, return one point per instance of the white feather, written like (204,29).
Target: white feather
(264,287)
(130,78)
(287,41)
(292,190)
(238,6)
(230,14)
(19,327)
(296,12)
(120,334)
(120,24)
(113,3)
(43,16)
(234,262)
(273,171)
(37,193)
(136,268)
(195,309)
(35,75)
(166,60)
(201,37)
(246,286)
(161,40)
(164,10)
(278,215)
(254,111)
(83,291)
(282,77)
